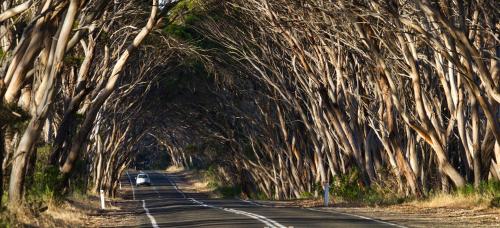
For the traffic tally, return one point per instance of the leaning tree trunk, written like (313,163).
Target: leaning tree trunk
(43,98)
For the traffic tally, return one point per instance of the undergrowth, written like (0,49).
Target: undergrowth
(41,185)
(221,188)
(347,188)
(487,194)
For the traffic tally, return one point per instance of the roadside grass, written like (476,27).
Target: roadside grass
(347,190)
(72,211)
(220,187)
(43,205)
(174,168)
(486,195)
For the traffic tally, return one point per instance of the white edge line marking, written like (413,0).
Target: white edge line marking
(263,219)
(131,185)
(271,223)
(254,203)
(151,218)
(354,215)
(172,182)
(359,216)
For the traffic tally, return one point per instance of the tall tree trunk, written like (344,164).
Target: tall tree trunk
(23,151)
(43,99)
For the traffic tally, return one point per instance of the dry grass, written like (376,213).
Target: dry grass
(67,213)
(72,212)
(19,215)
(61,215)
(193,180)
(475,201)
(471,209)
(174,169)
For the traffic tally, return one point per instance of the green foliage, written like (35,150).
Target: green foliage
(43,185)
(188,15)
(211,175)
(248,152)
(179,31)
(184,6)
(215,182)
(44,180)
(495,202)
(78,181)
(73,60)
(306,195)
(191,149)
(80,117)
(485,188)
(5,198)
(348,188)
(259,195)
(14,116)
(5,221)
(229,191)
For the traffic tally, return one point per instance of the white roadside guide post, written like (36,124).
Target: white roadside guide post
(326,190)
(103,205)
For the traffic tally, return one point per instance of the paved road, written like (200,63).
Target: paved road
(164,205)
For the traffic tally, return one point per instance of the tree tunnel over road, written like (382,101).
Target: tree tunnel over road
(275,99)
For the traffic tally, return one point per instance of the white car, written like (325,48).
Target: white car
(142,179)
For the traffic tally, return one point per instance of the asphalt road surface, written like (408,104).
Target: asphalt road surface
(164,205)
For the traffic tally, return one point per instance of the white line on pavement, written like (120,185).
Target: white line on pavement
(175,185)
(151,218)
(254,203)
(359,216)
(354,215)
(269,222)
(131,185)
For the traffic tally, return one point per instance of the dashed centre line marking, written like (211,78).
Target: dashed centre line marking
(269,222)
(151,218)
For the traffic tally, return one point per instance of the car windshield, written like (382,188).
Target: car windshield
(141,176)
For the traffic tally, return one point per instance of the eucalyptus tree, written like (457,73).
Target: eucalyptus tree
(35,66)
(407,87)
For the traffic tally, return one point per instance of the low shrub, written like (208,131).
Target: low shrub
(229,191)
(495,202)
(306,195)
(259,195)
(42,187)
(348,188)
